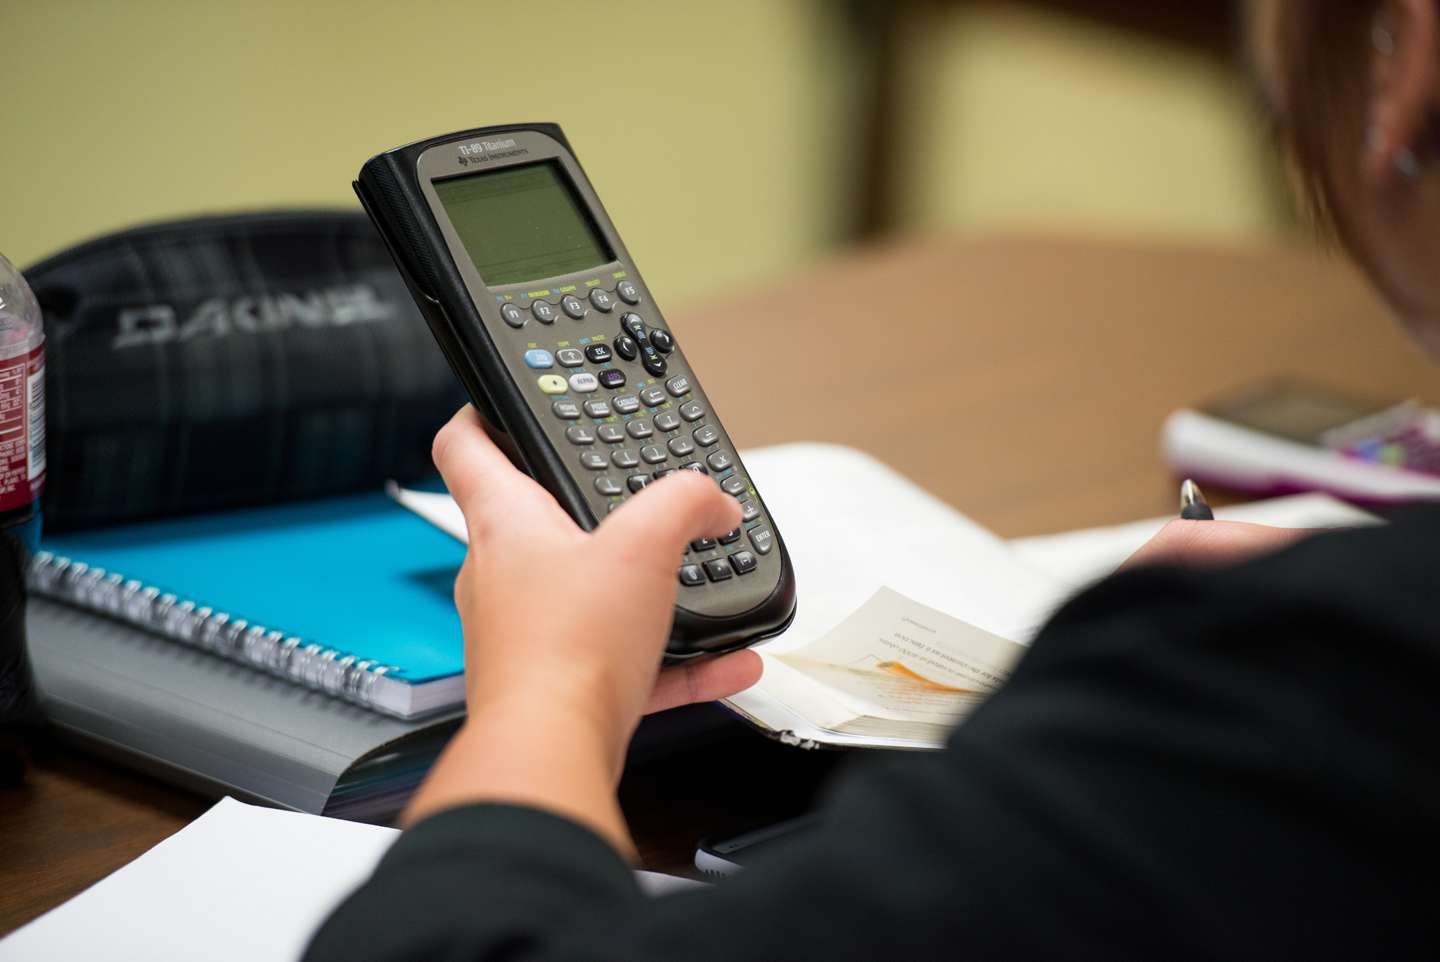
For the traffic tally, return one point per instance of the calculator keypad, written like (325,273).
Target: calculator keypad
(625,404)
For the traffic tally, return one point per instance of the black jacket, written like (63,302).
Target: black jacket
(1238,763)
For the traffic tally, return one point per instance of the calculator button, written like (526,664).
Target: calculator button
(624,458)
(695,466)
(692,411)
(639,429)
(580,435)
(609,487)
(678,386)
(652,396)
(628,292)
(610,433)
(761,540)
(625,347)
(539,359)
(743,562)
(702,544)
(512,315)
(573,306)
(719,461)
(717,569)
(544,312)
(569,357)
(551,383)
(667,421)
(662,341)
(730,537)
(749,512)
(583,383)
(634,325)
(598,353)
(602,300)
(653,453)
(612,378)
(593,460)
(566,410)
(680,446)
(626,404)
(733,485)
(662,472)
(637,482)
(654,362)
(691,575)
(706,435)
(598,408)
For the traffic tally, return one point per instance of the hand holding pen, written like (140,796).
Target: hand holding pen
(1182,542)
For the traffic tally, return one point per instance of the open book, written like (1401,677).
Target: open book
(909,612)
(853,527)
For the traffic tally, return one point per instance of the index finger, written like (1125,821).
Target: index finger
(478,475)
(1212,543)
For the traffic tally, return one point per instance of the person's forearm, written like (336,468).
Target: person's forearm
(532,754)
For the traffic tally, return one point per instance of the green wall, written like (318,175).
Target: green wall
(717,133)
(703,125)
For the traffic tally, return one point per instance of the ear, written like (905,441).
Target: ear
(1404,88)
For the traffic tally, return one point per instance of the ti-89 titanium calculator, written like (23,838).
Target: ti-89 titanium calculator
(543,316)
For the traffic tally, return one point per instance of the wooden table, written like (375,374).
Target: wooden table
(1024,381)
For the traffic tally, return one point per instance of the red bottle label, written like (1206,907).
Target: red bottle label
(22,429)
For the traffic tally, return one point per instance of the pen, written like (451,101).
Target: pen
(1193,506)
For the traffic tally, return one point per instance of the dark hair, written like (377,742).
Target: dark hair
(1321,67)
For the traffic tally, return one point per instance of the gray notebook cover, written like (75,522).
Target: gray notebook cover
(220,726)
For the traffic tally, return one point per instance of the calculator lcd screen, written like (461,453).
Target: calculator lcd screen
(522,223)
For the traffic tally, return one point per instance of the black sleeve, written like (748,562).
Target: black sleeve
(1230,764)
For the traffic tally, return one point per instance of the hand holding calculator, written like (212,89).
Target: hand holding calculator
(543,316)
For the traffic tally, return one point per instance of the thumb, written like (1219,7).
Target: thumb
(661,520)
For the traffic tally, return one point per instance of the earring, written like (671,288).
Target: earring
(1405,160)
(1406,163)
(1382,37)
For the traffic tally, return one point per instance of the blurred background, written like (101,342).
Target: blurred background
(732,142)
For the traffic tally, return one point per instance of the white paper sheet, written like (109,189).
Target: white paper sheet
(239,884)
(893,668)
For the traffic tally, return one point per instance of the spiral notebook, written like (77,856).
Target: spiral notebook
(350,596)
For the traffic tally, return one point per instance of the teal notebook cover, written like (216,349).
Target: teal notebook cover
(359,574)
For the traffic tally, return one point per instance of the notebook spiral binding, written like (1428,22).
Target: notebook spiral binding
(315,666)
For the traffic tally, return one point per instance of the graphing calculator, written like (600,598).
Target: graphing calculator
(545,319)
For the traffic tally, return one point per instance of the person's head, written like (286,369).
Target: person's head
(1355,87)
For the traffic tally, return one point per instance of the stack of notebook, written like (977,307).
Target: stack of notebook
(306,655)
(310,655)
